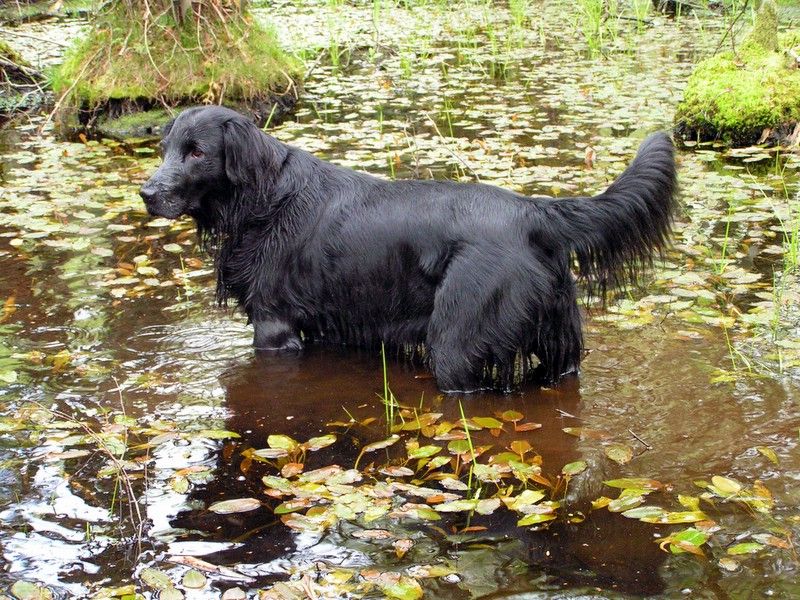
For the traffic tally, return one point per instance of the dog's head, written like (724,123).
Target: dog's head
(206,153)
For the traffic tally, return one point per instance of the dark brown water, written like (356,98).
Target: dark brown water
(108,312)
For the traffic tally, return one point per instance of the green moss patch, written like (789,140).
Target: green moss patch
(735,97)
(125,66)
(143,124)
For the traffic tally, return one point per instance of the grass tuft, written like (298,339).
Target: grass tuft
(200,61)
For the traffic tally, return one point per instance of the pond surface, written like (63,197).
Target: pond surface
(131,403)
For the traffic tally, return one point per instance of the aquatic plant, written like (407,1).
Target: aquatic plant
(746,95)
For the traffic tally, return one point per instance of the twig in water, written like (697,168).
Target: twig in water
(645,444)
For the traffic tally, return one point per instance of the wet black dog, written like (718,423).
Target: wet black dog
(478,275)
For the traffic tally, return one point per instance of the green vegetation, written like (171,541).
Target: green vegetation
(14,69)
(737,95)
(130,62)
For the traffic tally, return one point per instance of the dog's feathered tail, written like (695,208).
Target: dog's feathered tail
(615,235)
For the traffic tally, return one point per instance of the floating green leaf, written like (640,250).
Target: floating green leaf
(645,512)
(647,484)
(158,580)
(424,452)
(216,434)
(744,548)
(725,486)
(574,468)
(769,453)
(194,579)
(282,442)
(535,519)
(236,505)
(672,518)
(512,416)
(487,422)
(688,540)
(381,444)
(26,590)
(317,443)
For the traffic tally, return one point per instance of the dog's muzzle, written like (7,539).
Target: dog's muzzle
(158,202)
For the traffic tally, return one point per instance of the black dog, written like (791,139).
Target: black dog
(478,275)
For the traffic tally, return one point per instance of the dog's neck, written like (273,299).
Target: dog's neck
(259,223)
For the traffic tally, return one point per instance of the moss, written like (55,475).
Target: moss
(734,97)
(143,124)
(116,64)
(15,69)
(9,54)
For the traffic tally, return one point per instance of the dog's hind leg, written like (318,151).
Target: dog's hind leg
(558,342)
(275,335)
(483,311)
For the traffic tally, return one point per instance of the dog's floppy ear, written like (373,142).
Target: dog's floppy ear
(248,153)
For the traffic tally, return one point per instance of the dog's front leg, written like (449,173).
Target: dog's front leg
(275,335)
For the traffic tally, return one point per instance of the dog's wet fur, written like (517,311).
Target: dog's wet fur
(479,277)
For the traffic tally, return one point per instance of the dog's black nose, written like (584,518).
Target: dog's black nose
(148,193)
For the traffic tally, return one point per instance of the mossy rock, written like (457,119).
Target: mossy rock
(116,71)
(737,97)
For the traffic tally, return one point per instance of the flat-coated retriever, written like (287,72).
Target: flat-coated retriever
(477,275)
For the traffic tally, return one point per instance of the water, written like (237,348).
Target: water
(109,320)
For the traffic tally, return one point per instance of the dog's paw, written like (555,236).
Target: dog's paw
(292,345)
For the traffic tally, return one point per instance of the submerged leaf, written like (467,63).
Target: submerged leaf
(619,453)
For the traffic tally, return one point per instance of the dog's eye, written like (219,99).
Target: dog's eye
(196,153)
